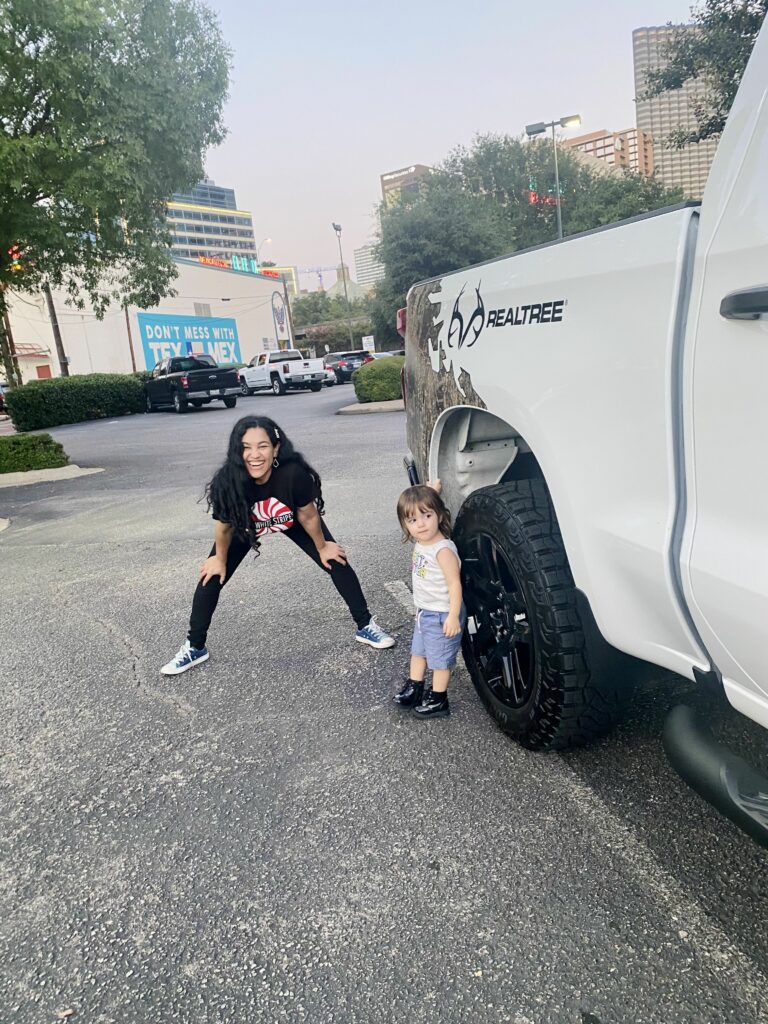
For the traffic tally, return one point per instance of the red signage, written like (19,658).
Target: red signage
(214,261)
(268,272)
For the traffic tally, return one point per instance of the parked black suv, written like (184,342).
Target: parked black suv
(344,364)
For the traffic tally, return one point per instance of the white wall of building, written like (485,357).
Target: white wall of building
(102,346)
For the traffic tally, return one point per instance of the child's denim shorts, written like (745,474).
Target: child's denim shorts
(431,643)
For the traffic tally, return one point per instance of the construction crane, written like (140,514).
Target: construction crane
(319,272)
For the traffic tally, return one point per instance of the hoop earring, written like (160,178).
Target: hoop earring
(275,463)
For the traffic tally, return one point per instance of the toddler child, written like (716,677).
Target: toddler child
(440,612)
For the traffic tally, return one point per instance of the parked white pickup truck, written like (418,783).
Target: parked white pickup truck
(596,409)
(281,371)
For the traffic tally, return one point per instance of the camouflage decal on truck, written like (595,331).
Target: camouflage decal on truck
(434,380)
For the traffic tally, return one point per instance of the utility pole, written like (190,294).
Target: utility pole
(290,314)
(130,337)
(337,229)
(8,356)
(11,351)
(63,365)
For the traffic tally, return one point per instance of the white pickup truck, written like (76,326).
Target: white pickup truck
(282,371)
(596,410)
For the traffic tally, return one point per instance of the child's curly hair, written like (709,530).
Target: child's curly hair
(423,499)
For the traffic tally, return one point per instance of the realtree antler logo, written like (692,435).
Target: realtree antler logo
(456,328)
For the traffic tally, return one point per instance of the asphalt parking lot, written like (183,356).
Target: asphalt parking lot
(266,838)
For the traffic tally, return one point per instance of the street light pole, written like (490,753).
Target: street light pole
(538,129)
(264,241)
(557,187)
(337,229)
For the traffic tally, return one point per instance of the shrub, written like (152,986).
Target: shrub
(36,451)
(73,399)
(379,381)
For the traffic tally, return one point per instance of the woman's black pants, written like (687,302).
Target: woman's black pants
(207,597)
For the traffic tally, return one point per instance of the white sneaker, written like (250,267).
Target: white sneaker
(187,657)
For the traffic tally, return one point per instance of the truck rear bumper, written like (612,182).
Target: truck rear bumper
(219,394)
(724,780)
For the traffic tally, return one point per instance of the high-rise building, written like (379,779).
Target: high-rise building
(406,181)
(631,148)
(367,267)
(609,147)
(206,222)
(640,146)
(660,116)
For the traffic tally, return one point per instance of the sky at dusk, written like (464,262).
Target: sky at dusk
(327,96)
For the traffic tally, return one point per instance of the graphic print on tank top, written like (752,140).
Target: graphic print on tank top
(271,516)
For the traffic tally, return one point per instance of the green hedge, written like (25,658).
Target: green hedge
(91,396)
(379,381)
(36,451)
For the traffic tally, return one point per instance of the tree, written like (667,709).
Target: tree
(106,109)
(441,229)
(497,197)
(713,53)
(319,307)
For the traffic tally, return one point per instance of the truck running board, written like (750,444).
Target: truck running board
(718,775)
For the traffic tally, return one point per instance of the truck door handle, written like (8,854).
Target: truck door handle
(747,304)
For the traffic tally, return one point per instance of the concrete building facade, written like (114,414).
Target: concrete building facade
(403,182)
(657,117)
(233,315)
(368,269)
(206,222)
(631,149)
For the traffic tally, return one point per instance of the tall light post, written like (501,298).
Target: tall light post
(337,229)
(538,129)
(264,241)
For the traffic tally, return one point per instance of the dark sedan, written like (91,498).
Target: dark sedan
(344,364)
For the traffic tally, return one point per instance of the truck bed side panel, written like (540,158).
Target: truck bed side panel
(572,346)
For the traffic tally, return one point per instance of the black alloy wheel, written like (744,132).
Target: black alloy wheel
(501,646)
(148,404)
(245,391)
(179,404)
(525,646)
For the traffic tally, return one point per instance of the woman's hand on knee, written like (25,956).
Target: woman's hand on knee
(213,566)
(332,552)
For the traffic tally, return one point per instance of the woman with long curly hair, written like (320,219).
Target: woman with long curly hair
(266,486)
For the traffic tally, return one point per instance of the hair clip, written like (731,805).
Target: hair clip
(277,432)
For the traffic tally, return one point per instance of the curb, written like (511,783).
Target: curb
(41,476)
(361,409)
(4,524)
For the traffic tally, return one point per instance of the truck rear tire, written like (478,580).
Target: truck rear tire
(149,404)
(316,386)
(180,404)
(278,388)
(230,401)
(528,655)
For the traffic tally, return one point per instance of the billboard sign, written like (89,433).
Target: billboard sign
(280,318)
(164,335)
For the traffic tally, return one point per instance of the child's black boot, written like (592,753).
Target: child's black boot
(434,705)
(410,695)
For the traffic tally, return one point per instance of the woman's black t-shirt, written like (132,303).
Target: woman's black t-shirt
(273,504)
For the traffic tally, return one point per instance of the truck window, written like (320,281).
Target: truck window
(284,357)
(262,358)
(187,363)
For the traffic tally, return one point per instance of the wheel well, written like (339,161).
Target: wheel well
(472,448)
